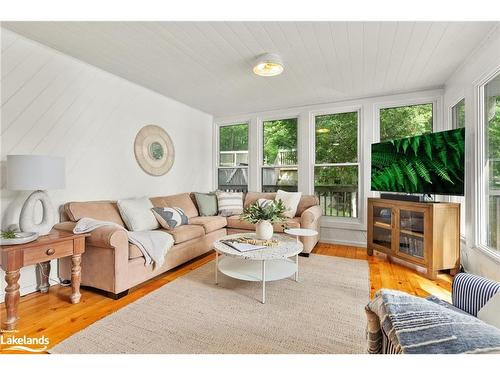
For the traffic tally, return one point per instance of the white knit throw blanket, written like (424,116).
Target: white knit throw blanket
(154,244)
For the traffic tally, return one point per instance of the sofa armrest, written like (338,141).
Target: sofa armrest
(470,292)
(310,216)
(108,236)
(66,226)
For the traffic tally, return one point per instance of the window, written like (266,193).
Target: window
(279,167)
(407,121)
(233,158)
(458,115)
(492,159)
(336,167)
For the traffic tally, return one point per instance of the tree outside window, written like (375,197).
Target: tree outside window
(405,121)
(336,165)
(279,170)
(233,157)
(492,155)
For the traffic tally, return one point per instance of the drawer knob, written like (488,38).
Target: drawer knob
(50,252)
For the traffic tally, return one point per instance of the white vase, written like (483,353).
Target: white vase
(264,230)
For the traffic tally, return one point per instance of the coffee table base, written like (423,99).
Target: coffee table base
(260,271)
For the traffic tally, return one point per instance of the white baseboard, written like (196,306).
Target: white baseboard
(343,242)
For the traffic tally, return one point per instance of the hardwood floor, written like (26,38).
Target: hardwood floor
(52,315)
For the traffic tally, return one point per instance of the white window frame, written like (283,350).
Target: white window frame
(216,154)
(458,199)
(274,117)
(436,101)
(333,221)
(480,183)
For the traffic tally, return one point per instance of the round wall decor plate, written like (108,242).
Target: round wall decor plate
(154,150)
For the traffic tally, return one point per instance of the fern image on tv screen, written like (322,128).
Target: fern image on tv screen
(430,163)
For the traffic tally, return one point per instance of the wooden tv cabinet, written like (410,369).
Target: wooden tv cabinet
(426,234)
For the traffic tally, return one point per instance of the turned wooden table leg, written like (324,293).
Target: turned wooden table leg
(75,278)
(11,298)
(43,270)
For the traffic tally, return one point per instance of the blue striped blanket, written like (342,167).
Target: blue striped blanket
(425,326)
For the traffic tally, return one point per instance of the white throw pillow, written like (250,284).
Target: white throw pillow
(490,312)
(290,200)
(136,214)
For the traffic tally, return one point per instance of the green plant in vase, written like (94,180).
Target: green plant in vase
(264,216)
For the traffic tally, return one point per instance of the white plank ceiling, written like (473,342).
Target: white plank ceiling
(208,65)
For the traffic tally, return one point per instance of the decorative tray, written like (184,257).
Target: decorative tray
(257,242)
(21,237)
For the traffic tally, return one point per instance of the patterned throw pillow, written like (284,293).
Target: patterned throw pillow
(229,203)
(170,217)
(262,202)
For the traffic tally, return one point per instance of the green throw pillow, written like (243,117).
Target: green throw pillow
(207,204)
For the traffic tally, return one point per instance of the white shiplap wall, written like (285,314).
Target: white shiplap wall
(54,104)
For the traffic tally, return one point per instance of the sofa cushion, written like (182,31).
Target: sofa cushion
(251,197)
(209,223)
(186,232)
(229,203)
(183,201)
(137,215)
(234,222)
(99,210)
(206,203)
(290,200)
(170,217)
(134,252)
(306,201)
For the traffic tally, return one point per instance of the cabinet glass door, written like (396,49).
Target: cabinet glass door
(382,226)
(411,233)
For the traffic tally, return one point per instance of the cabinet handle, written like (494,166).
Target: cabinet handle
(50,252)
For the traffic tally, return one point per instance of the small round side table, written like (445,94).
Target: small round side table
(301,232)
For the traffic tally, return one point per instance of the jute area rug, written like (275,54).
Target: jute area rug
(322,313)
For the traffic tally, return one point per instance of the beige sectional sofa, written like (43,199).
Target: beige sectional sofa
(110,263)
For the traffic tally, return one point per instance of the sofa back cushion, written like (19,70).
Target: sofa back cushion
(183,201)
(99,210)
(305,202)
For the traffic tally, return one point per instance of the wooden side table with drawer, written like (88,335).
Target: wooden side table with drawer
(57,244)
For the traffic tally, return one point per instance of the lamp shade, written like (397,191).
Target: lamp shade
(35,172)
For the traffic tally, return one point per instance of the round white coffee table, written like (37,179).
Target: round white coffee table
(269,264)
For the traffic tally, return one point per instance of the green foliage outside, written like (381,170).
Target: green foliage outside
(493,114)
(426,163)
(336,142)
(494,142)
(405,121)
(233,138)
(279,135)
(458,114)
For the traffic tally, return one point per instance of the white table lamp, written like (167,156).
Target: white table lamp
(39,173)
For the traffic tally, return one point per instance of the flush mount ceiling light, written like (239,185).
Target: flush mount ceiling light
(268,65)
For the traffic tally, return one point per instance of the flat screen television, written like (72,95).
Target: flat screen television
(426,164)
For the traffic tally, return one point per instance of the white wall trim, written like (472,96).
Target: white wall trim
(343,242)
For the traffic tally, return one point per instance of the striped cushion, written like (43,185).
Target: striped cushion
(471,292)
(229,203)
